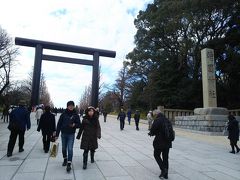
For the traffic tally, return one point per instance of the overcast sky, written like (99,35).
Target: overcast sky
(103,24)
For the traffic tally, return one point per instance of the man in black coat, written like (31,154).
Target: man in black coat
(19,121)
(233,135)
(121,117)
(160,144)
(67,124)
(47,125)
(137,119)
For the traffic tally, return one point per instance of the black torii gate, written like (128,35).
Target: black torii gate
(39,56)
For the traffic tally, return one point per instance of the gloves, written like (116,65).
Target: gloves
(78,136)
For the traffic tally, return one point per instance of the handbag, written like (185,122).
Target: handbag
(54,149)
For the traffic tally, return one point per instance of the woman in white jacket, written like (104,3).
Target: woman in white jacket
(150,119)
(38,114)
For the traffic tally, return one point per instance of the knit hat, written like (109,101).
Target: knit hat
(69,103)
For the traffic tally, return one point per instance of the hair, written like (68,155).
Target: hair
(94,114)
(47,108)
(231,117)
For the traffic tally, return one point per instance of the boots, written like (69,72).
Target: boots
(164,174)
(64,162)
(68,167)
(85,159)
(92,156)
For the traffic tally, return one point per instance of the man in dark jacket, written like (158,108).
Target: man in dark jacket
(67,124)
(233,135)
(104,115)
(121,117)
(137,118)
(47,125)
(18,123)
(160,144)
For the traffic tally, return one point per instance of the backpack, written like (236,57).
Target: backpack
(168,131)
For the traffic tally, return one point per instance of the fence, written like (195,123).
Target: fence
(171,113)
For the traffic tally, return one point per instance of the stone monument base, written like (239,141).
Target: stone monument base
(211,121)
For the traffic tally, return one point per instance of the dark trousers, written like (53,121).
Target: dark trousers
(105,118)
(85,152)
(122,122)
(161,156)
(46,141)
(234,144)
(129,120)
(137,123)
(5,117)
(13,138)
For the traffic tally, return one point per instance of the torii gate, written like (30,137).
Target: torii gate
(39,56)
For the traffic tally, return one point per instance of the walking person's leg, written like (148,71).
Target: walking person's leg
(48,142)
(11,143)
(44,140)
(121,124)
(85,158)
(165,162)
(237,148)
(70,142)
(92,155)
(157,156)
(64,149)
(21,140)
(232,146)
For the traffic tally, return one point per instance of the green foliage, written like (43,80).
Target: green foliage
(170,36)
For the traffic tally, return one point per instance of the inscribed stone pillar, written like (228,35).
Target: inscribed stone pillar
(208,78)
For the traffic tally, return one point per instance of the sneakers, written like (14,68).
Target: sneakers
(68,167)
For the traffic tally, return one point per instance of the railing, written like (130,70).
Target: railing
(235,112)
(171,113)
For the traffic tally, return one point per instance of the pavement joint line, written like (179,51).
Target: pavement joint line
(25,159)
(129,155)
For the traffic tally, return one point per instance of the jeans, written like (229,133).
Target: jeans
(67,146)
(162,161)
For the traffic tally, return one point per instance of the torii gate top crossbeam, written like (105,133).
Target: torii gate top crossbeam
(64,47)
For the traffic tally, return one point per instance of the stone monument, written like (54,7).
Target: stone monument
(210,119)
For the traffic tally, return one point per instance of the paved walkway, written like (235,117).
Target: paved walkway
(122,155)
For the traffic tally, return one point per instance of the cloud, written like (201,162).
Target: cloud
(91,23)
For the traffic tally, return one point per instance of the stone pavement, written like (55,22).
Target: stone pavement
(122,155)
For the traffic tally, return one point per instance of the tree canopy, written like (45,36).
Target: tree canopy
(167,57)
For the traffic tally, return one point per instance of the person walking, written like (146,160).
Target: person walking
(161,144)
(19,121)
(121,117)
(67,124)
(47,125)
(90,131)
(233,133)
(104,115)
(129,115)
(150,119)
(38,114)
(137,119)
(5,114)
